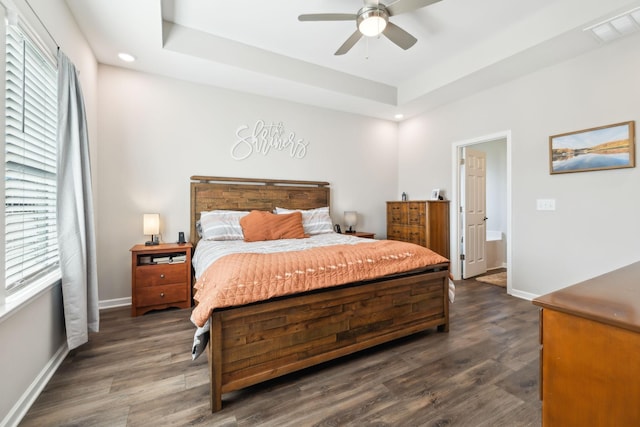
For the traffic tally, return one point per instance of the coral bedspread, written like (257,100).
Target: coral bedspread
(243,278)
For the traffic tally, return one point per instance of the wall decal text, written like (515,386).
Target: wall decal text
(263,138)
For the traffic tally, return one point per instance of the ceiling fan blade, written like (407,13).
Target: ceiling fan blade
(399,36)
(347,45)
(402,6)
(328,17)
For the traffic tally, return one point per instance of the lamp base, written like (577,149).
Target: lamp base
(350,230)
(151,243)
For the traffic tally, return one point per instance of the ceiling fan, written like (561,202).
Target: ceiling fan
(373,20)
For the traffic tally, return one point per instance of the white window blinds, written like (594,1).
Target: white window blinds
(30,162)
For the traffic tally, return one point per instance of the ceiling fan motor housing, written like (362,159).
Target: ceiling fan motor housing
(372,20)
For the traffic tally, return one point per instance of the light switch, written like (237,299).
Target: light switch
(546,204)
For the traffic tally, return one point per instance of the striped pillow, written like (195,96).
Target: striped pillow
(222,225)
(314,221)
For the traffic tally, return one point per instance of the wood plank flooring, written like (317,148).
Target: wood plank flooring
(138,372)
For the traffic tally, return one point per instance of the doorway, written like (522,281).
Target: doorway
(498,147)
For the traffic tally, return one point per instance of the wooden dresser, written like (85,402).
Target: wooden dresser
(424,222)
(590,351)
(160,277)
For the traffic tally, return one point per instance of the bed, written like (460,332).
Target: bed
(257,341)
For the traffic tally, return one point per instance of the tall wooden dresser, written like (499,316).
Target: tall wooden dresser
(424,222)
(590,352)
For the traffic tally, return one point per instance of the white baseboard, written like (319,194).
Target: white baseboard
(523,295)
(113,303)
(30,395)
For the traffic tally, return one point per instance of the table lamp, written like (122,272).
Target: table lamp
(151,226)
(350,220)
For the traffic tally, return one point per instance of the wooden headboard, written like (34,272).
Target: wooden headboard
(244,194)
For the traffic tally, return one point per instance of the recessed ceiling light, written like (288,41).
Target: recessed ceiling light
(399,116)
(126,57)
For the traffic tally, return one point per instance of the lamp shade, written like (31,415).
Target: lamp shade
(151,224)
(350,218)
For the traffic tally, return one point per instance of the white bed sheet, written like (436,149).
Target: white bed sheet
(207,252)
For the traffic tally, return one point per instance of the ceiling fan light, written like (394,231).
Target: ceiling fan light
(372,23)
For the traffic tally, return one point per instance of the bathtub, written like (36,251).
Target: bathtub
(495,249)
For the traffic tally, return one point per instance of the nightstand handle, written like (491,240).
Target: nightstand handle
(162,276)
(162,294)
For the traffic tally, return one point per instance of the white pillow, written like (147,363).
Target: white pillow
(222,225)
(314,221)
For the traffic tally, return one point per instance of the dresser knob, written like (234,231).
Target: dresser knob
(162,276)
(162,294)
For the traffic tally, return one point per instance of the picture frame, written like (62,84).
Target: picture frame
(600,148)
(435,194)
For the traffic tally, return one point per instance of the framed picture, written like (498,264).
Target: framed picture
(435,194)
(604,147)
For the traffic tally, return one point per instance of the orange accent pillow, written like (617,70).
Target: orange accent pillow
(261,225)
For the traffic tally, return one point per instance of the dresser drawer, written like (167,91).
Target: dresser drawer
(160,274)
(396,232)
(397,212)
(162,294)
(417,235)
(416,214)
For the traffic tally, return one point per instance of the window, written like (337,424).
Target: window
(31,248)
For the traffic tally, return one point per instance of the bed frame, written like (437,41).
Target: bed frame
(257,342)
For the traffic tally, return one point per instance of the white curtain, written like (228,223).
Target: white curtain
(76,235)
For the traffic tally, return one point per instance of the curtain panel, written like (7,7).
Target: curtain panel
(76,233)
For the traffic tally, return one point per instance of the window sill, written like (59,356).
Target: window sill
(24,296)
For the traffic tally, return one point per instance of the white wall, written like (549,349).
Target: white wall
(156,132)
(33,336)
(595,225)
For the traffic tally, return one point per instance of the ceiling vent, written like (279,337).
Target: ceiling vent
(616,27)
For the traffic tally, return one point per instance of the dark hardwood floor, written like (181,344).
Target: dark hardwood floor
(138,372)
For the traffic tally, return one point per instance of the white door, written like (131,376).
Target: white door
(474,230)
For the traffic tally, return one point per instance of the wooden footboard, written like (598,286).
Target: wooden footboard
(261,341)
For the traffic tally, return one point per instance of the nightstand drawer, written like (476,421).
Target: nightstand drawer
(162,294)
(160,274)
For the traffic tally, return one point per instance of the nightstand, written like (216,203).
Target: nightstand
(160,277)
(364,234)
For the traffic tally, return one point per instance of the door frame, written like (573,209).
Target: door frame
(455,215)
